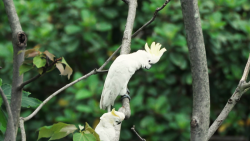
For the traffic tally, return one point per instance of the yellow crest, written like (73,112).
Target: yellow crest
(155,49)
(113,113)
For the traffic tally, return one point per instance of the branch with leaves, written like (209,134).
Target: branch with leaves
(44,62)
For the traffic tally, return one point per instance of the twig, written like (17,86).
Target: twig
(39,75)
(10,119)
(152,19)
(21,124)
(133,128)
(239,91)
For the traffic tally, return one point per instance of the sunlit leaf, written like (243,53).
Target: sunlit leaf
(56,131)
(49,55)
(60,67)
(83,137)
(39,62)
(68,71)
(1,81)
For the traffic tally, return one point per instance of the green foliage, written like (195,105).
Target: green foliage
(87,32)
(61,130)
(27,101)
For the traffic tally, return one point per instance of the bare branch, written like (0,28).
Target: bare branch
(133,128)
(239,91)
(10,119)
(21,124)
(29,81)
(126,40)
(246,70)
(152,19)
(57,92)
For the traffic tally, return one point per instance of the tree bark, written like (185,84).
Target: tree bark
(19,40)
(201,97)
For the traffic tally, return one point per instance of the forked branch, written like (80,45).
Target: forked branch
(239,91)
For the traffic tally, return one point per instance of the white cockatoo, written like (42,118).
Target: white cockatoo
(122,70)
(106,127)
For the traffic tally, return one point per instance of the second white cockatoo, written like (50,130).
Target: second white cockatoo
(106,127)
(122,70)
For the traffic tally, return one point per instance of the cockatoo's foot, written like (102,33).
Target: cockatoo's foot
(126,96)
(128,91)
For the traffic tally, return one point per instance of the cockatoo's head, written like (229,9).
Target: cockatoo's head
(151,55)
(114,117)
(155,52)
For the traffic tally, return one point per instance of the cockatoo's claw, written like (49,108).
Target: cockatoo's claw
(128,91)
(126,96)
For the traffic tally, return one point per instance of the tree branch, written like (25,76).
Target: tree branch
(19,42)
(152,19)
(133,128)
(10,119)
(21,124)
(239,91)
(199,70)
(126,40)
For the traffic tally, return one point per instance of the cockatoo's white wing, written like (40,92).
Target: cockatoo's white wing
(116,81)
(105,133)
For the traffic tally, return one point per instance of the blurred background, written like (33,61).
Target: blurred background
(87,32)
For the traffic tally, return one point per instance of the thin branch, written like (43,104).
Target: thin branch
(21,124)
(152,19)
(133,128)
(39,75)
(10,119)
(57,92)
(239,91)
(246,70)
(29,81)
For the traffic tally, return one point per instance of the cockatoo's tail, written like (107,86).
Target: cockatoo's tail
(155,51)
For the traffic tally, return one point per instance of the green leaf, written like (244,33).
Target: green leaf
(56,131)
(39,61)
(3,121)
(24,68)
(83,94)
(1,81)
(84,108)
(45,132)
(26,101)
(71,29)
(104,26)
(83,137)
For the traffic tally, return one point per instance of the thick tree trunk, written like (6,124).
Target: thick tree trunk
(201,97)
(19,42)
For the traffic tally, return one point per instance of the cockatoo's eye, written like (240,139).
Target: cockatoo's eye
(149,61)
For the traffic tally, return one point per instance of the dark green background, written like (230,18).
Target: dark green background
(86,32)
